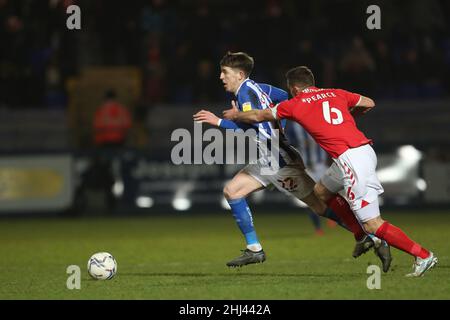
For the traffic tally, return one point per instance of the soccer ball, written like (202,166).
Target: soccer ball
(102,266)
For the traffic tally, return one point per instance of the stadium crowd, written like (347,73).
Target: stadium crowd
(177,45)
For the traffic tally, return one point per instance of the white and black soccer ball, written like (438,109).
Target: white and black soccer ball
(102,266)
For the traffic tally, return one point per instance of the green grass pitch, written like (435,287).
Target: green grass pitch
(183,257)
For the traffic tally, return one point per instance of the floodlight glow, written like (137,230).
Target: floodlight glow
(144,202)
(117,189)
(421,184)
(390,174)
(409,154)
(408,157)
(181,204)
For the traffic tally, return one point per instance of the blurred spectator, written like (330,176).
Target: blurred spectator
(432,72)
(55,95)
(384,75)
(13,61)
(306,55)
(410,74)
(202,26)
(112,122)
(446,54)
(154,69)
(206,83)
(181,70)
(357,68)
(171,40)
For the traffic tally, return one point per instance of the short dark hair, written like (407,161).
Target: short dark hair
(301,76)
(238,60)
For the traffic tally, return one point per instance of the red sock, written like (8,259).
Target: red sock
(343,211)
(398,239)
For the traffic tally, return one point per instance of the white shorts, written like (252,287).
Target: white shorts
(353,175)
(291,179)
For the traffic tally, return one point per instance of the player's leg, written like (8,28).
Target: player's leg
(369,214)
(294,180)
(363,189)
(236,191)
(320,170)
(314,217)
(319,208)
(396,237)
(328,189)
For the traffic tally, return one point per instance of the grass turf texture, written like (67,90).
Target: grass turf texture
(183,257)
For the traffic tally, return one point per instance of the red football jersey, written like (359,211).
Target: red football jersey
(325,114)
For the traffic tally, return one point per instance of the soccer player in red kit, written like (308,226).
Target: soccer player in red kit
(327,116)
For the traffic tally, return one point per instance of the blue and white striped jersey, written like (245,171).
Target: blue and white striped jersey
(277,95)
(252,95)
(311,152)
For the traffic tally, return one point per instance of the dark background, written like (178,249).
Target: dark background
(162,59)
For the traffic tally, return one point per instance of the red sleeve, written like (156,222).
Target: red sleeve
(352,98)
(284,110)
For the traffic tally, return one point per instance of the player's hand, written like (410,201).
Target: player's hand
(206,117)
(359,111)
(230,114)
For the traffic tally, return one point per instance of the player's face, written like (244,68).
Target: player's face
(231,78)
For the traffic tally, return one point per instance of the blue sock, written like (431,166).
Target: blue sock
(243,217)
(329,213)
(315,219)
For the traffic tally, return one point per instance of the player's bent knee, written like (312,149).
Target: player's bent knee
(372,225)
(369,228)
(322,193)
(314,203)
(228,192)
(231,192)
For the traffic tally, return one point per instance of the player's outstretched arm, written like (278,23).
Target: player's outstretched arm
(364,105)
(253,116)
(206,116)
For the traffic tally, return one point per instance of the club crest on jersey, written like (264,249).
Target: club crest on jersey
(247,106)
